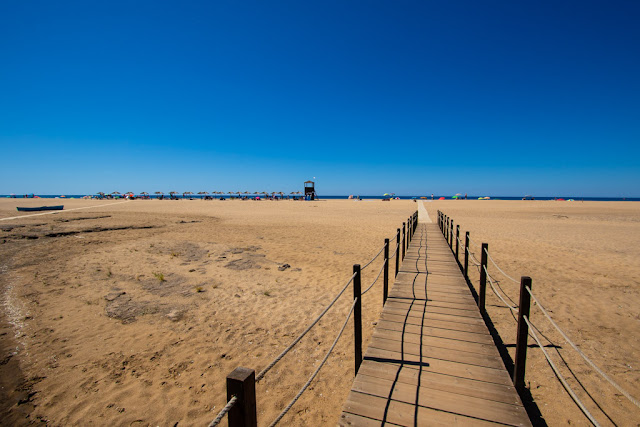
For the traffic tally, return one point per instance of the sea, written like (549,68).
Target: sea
(405,197)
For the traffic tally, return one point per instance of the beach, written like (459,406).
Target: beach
(134,312)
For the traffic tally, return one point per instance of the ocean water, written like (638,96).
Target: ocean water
(196,196)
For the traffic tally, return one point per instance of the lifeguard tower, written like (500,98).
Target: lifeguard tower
(309,190)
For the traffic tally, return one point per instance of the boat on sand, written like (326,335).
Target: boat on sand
(41,208)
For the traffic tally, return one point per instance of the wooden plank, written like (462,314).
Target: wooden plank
(462,370)
(347,419)
(419,312)
(470,406)
(477,348)
(434,323)
(424,351)
(404,414)
(437,381)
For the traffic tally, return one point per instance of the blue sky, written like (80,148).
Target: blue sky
(491,97)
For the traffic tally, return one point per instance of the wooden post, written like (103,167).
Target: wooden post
(409,227)
(446,228)
(448,222)
(385,276)
(522,334)
(483,279)
(242,384)
(466,255)
(451,237)
(404,239)
(458,242)
(397,252)
(357,317)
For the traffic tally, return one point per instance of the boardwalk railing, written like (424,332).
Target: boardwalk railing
(522,310)
(241,383)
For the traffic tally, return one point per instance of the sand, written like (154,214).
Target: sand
(134,313)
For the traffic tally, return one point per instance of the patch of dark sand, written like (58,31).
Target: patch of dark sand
(237,251)
(35,234)
(172,284)
(243,264)
(82,218)
(125,309)
(185,251)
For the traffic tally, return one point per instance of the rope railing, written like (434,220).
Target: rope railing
(290,346)
(500,270)
(311,378)
(584,356)
(473,258)
(223,411)
(491,283)
(376,279)
(373,259)
(395,252)
(560,377)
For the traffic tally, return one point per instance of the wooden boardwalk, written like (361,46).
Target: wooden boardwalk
(431,360)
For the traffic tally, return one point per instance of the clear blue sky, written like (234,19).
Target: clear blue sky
(479,97)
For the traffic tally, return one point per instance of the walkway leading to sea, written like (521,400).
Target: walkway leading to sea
(431,360)
(423,215)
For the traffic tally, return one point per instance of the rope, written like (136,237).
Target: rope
(505,274)
(514,309)
(373,259)
(395,252)
(560,377)
(304,387)
(286,350)
(377,277)
(224,411)
(584,356)
(471,242)
(473,259)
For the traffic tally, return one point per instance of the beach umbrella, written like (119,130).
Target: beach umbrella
(159,192)
(144,193)
(441,198)
(116,192)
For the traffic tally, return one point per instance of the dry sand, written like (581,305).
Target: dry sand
(134,313)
